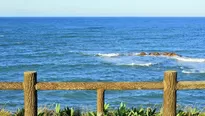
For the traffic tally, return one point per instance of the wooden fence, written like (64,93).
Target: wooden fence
(170,85)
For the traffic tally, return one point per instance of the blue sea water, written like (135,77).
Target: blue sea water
(91,49)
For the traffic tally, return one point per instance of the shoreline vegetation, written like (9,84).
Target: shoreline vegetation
(122,110)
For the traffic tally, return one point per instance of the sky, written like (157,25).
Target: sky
(73,8)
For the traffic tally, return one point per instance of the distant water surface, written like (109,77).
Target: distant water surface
(101,49)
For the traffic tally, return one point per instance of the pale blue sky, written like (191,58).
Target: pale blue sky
(102,8)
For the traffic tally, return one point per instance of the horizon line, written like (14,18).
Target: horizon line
(102,16)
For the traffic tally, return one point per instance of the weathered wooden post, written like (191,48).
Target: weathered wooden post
(30,94)
(169,102)
(100,102)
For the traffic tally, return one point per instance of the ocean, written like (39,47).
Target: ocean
(101,49)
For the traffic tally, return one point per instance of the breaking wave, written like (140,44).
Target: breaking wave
(186,59)
(194,65)
(179,58)
(109,55)
(137,64)
(116,54)
(193,71)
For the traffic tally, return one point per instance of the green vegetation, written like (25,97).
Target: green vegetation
(123,110)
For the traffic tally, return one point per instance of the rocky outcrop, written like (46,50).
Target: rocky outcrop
(165,53)
(169,54)
(142,54)
(154,54)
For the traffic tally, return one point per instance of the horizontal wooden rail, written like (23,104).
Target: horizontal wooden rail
(188,85)
(98,85)
(11,86)
(181,85)
(169,85)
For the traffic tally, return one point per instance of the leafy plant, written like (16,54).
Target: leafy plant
(57,108)
(181,113)
(122,110)
(67,112)
(106,108)
(194,111)
(19,112)
(150,112)
(4,113)
(92,114)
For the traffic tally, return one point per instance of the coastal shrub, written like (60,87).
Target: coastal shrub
(19,112)
(4,113)
(122,110)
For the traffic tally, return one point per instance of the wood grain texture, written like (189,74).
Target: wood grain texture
(100,102)
(98,85)
(11,86)
(30,94)
(182,85)
(169,99)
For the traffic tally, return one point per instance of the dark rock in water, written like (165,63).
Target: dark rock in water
(170,54)
(165,53)
(173,54)
(154,54)
(142,54)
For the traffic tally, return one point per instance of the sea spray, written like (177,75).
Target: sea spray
(137,64)
(109,55)
(186,59)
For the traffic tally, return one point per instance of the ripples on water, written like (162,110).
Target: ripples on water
(101,49)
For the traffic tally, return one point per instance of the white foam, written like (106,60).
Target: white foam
(133,54)
(193,71)
(136,64)
(186,59)
(187,72)
(136,54)
(87,53)
(109,55)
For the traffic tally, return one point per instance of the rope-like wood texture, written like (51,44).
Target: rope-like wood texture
(98,85)
(11,86)
(182,85)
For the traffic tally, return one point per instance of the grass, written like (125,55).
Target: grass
(122,110)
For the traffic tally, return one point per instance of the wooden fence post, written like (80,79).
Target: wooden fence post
(100,102)
(169,102)
(30,94)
